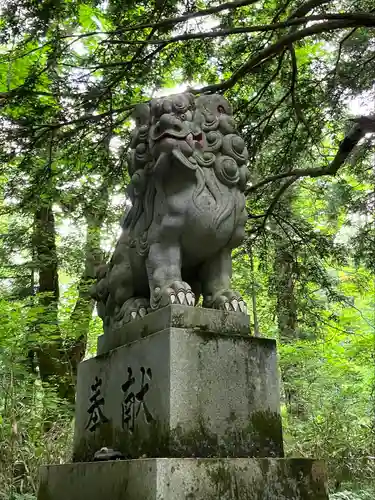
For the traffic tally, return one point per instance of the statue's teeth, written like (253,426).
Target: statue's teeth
(235,304)
(173,298)
(242,305)
(142,312)
(133,314)
(227,306)
(181,297)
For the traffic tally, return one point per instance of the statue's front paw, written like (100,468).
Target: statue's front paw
(177,292)
(227,300)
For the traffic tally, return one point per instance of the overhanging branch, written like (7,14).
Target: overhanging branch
(285,41)
(172,21)
(346,17)
(362,126)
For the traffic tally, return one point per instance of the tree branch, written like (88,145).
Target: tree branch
(137,54)
(342,21)
(274,202)
(342,41)
(268,117)
(308,6)
(363,125)
(159,24)
(185,17)
(349,17)
(88,118)
(255,100)
(297,108)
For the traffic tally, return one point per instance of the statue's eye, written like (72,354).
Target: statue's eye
(183,117)
(221,109)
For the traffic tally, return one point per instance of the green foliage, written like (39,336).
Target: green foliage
(349,495)
(70,73)
(333,418)
(25,406)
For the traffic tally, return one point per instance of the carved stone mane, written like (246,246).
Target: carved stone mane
(188,174)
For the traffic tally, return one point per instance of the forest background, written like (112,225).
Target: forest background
(300,75)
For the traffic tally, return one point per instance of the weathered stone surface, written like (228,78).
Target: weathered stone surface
(177,316)
(202,395)
(188,168)
(186,479)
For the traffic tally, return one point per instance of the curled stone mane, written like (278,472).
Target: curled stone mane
(188,174)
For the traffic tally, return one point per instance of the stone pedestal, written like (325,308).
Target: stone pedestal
(181,393)
(175,316)
(186,479)
(172,388)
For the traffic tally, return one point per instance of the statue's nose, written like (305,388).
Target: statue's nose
(195,129)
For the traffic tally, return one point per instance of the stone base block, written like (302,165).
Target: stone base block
(186,479)
(181,393)
(175,316)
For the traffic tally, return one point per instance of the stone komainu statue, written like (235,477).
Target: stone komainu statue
(188,175)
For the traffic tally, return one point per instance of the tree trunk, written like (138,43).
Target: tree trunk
(286,303)
(82,313)
(52,367)
(287,319)
(253,292)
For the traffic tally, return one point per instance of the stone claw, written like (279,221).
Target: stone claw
(133,309)
(185,298)
(228,300)
(234,304)
(242,306)
(190,299)
(177,292)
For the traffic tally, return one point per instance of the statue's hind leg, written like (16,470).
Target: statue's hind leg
(215,276)
(133,308)
(128,291)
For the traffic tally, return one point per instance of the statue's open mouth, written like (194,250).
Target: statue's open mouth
(186,157)
(195,138)
(190,137)
(198,138)
(172,134)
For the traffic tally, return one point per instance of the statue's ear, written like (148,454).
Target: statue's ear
(216,104)
(141,114)
(221,105)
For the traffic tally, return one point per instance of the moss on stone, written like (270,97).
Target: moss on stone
(266,432)
(43,491)
(131,445)
(104,356)
(177,320)
(222,478)
(290,479)
(207,335)
(209,479)
(86,448)
(261,438)
(145,331)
